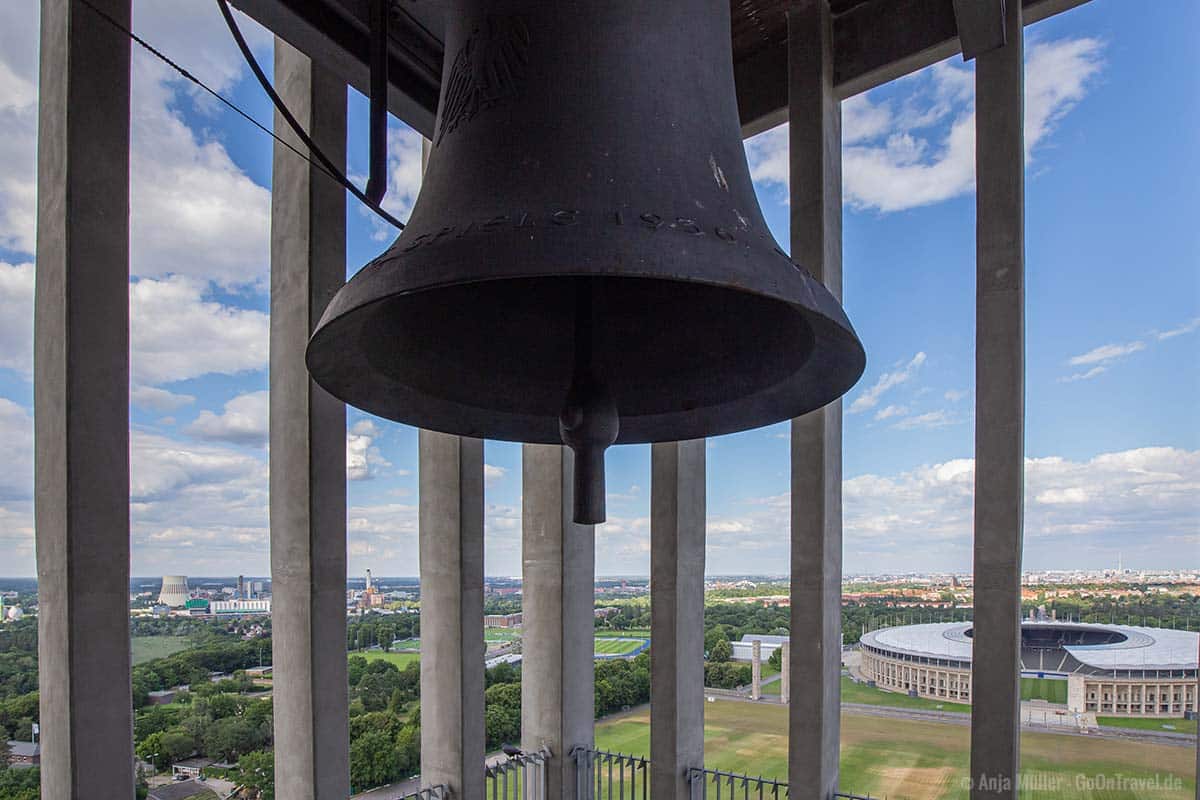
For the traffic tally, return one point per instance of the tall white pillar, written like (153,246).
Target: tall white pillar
(308,446)
(81,403)
(756,670)
(785,674)
(677,520)
(999,412)
(815,141)
(558,590)
(451,543)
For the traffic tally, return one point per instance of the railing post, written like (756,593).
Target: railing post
(308,447)
(999,412)
(677,527)
(815,142)
(81,403)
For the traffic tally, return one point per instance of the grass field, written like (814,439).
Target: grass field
(632,633)
(1150,724)
(148,648)
(909,760)
(401,660)
(500,635)
(413,645)
(1044,689)
(609,646)
(861,693)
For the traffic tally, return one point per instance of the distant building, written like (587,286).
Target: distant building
(502,620)
(24,754)
(13,614)
(191,767)
(162,697)
(174,591)
(197,606)
(243,608)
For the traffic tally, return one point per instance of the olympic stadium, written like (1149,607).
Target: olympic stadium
(1107,669)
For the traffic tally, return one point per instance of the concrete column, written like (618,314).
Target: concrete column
(558,591)
(999,412)
(785,674)
(81,403)
(677,520)
(308,447)
(451,542)
(756,670)
(815,141)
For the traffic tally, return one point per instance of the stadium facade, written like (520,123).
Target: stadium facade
(1109,669)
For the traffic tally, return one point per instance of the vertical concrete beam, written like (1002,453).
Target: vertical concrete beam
(999,412)
(756,670)
(451,543)
(308,446)
(81,402)
(558,559)
(677,520)
(785,674)
(815,141)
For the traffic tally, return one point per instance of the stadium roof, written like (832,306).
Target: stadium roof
(1141,648)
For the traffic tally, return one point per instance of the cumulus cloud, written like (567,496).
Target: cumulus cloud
(869,398)
(492,473)
(244,421)
(363,458)
(919,150)
(177,333)
(16,316)
(160,400)
(404,179)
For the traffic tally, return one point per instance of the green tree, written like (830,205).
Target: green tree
(228,738)
(373,761)
(501,725)
(722,651)
(256,770)
(776,659)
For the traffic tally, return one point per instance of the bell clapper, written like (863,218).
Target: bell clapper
(589,422)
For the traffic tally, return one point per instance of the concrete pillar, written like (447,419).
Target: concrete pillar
(785,674)
(308,446)
(558,591)
(999,411)
(815,141)
(756,670)
(81,403)
(677,520)
(451,543)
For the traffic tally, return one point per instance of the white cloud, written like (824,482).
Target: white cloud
(178,334)
(954,395)
(921,150)
(16,443)
(930,419)
(1083,376)
(1104,353)
(492,473)
(363,458)
(16,316)
(890,411)
(869,398)
(244,421)
(159,400)
(1188,327)
(404,179)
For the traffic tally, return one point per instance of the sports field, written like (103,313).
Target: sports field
(148,648)
(909,760)
(1044,689)
(609,646)
(861,693)
(401,660)
(1169,725)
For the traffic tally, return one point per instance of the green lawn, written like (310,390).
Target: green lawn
(1175,725)
(632,633)
(1044,689)
(861,693)
(148,648)
(609,646)
(500,635)
(412,645)
(401,660)
(915,760)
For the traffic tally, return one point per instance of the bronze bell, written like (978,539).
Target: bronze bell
(587,262)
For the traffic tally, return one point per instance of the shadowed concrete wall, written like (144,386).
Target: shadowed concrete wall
(308,447)
(815,141)
(999,412)
(677,520)
(558,567)
(81,403)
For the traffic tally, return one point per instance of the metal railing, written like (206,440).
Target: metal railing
(614,776)
(730,785)
(439,792)
(519,777)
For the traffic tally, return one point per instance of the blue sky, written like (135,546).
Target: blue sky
(1113,303)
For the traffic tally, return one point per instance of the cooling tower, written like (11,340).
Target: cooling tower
(174,591)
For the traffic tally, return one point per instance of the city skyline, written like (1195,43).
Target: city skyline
(1112,438)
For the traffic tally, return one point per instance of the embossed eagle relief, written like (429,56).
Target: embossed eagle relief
(487,70)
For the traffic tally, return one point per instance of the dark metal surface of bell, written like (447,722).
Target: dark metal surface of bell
(587,262)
